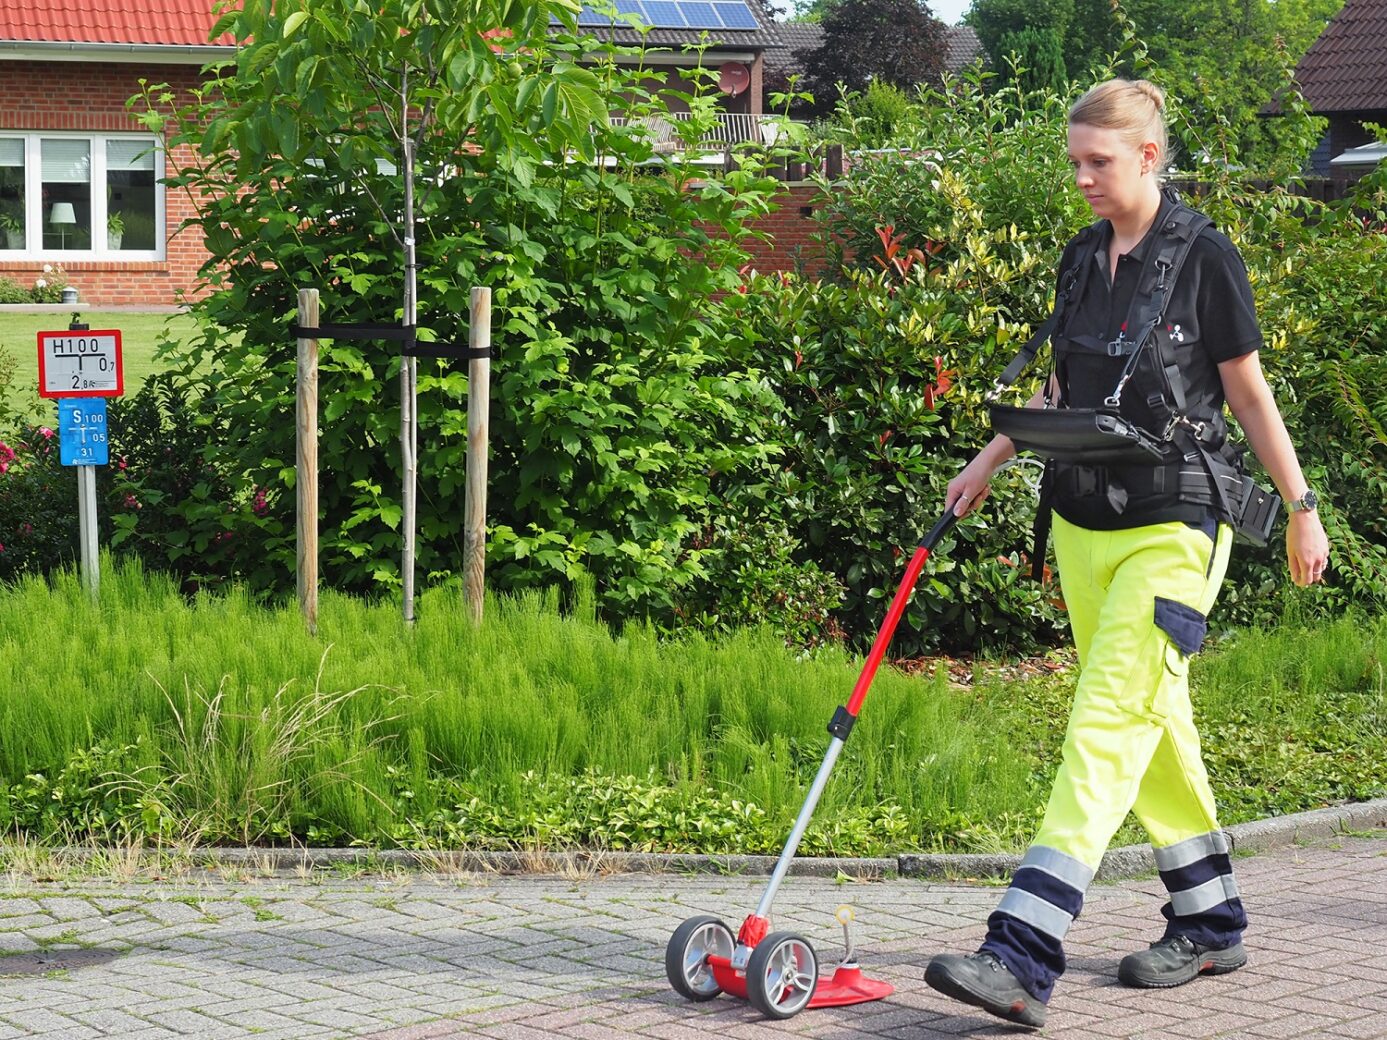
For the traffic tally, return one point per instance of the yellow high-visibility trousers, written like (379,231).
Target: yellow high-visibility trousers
(1137,602)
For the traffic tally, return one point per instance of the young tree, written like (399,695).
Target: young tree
(623,402)
(341,84)
(892,41)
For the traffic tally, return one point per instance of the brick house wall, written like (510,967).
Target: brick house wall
(72,95)
(91,96)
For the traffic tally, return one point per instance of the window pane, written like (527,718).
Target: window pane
(130,211)
(11,193)
(66,171)
(130,155)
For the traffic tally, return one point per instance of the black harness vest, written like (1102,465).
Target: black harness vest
(1135,381)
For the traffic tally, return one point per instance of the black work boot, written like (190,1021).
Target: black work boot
(980,979)
(1175,960)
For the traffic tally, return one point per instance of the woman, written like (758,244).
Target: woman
(1140,559)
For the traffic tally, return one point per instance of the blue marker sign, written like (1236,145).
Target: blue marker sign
(82,431)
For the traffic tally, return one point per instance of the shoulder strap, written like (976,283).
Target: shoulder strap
(1174,239)
(1071,286)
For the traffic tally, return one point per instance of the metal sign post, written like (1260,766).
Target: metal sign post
(81,369)
(82,443)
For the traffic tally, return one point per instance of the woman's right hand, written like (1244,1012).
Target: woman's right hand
(968,490)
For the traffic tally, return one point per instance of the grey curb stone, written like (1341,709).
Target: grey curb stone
(1126,862)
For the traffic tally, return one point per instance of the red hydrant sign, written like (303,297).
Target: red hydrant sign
(81,364)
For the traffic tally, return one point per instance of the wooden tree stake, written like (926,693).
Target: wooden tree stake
(478,420)
(306,479)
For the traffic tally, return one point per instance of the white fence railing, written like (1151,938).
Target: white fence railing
(731,128)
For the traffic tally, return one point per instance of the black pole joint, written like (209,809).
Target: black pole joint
(842,723)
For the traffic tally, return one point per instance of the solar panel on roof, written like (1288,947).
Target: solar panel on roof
(736,16)
(679,14)
(699,15)
(664,14)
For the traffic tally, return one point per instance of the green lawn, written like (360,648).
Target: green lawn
(140,336)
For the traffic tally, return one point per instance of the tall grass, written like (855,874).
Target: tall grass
(253,729)
(208,686)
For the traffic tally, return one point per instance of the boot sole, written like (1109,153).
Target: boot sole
(1212,962)
(1019,1012)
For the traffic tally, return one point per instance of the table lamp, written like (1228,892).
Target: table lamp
(61,216)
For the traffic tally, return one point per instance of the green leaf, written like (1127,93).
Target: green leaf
(549,104)
(292,23)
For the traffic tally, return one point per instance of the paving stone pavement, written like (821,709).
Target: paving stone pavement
(413,957)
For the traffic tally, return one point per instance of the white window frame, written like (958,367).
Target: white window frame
(33,200)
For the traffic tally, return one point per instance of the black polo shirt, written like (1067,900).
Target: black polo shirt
(1210,317)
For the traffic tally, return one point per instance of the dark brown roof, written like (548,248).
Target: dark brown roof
(1345,70)
(793,41)
(964,48)
(796,38)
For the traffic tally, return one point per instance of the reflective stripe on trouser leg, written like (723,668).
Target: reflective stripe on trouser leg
(1204,902)
(1028,927)
(1132,683)
(1176,806)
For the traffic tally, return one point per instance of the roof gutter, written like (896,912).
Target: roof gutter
(141,53)
(682,58)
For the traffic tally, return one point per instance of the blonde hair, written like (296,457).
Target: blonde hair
(1134,108)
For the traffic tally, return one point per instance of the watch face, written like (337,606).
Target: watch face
(1310,500)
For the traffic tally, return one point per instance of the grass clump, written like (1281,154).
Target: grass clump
(219,721)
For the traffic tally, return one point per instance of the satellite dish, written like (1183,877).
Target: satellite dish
(733,78)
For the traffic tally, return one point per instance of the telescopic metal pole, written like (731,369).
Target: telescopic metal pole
(846,716)
(86,521)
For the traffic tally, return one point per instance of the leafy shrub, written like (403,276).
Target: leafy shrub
(38,504)
(1323,310)
(49,286)
(979,187)
(877,419)
(1000,155)
(12,292)
(879,116)
(170,498)
(756,574)
(945,246)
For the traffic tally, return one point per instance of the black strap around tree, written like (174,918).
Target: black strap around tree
(405,334)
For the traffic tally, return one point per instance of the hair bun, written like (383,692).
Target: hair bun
(1155,93)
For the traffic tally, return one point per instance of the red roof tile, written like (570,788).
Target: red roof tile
(1345,70)
(167,23)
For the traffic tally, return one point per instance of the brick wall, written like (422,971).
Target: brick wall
(70,95)
(790,228)
(91,96)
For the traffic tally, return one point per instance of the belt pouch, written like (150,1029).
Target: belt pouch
(1091,436)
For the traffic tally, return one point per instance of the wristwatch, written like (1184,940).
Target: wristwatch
(1306,503)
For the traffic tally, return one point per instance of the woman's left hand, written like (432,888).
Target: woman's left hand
(1307,547)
